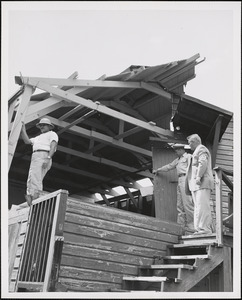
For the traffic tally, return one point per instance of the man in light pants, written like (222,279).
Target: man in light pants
(44,147)
(185,207)
(200,183)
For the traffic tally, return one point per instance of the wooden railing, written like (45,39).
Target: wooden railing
(221,175)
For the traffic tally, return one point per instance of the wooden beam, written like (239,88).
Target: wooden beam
(101,137)
(121,129)
(156,90)
(227,270)
(127,133)
(50,104)
(104,161)
(71,112)
(167,140)
(77,121)
(17,123)
(83,83)
(99,83)
(123,107)
(42,108)
(219,216)
(98,125)
(120,197)
(65,95)
(78,107)
(131,197)
(227,181)
(105,199)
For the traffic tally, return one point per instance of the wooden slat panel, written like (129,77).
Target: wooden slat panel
(94,275)
(101,244)
(121,228)
(16,262)
(224,162)
(94,264)
(113,236)
(23,228)
(224,159)
(100,254)
(21,239)
(123,217)
(227,152)
(15,216)
(14,274)
(74,285)
(13,236)
(12,286)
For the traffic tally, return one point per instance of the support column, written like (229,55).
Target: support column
(165,184)
(227,270)
(17,124)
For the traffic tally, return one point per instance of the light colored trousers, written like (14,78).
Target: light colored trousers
(37,172)
(202,211)
(185,206)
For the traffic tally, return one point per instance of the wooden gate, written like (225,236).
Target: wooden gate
(37,257)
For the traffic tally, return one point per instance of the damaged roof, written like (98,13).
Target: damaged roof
(105,125)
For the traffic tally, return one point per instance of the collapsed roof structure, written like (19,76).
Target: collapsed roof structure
(106,126)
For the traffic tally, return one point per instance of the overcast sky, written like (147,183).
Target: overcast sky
(55,39)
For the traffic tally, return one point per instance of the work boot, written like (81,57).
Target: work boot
(35,196)
(202,232)
(28,199)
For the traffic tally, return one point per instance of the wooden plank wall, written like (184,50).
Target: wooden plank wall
(102,244)
(224,160)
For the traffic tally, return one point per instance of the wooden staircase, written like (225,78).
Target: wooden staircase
(185,265)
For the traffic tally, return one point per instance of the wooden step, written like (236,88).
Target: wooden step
(199,245)
(146,278)
(157,282)
(187,257)
(190,249)
(166,267)
(196,239)
(131,291)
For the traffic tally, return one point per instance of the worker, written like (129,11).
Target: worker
(200,183)
(185,207)
(44,146)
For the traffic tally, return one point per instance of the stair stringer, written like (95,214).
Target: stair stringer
(203,267)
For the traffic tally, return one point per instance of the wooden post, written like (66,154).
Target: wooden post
(227,270)
(56,234)
(219,216)
(17,124)
(216,129)
(165,186)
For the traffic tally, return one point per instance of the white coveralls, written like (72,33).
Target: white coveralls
(185,206)
(36,171)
